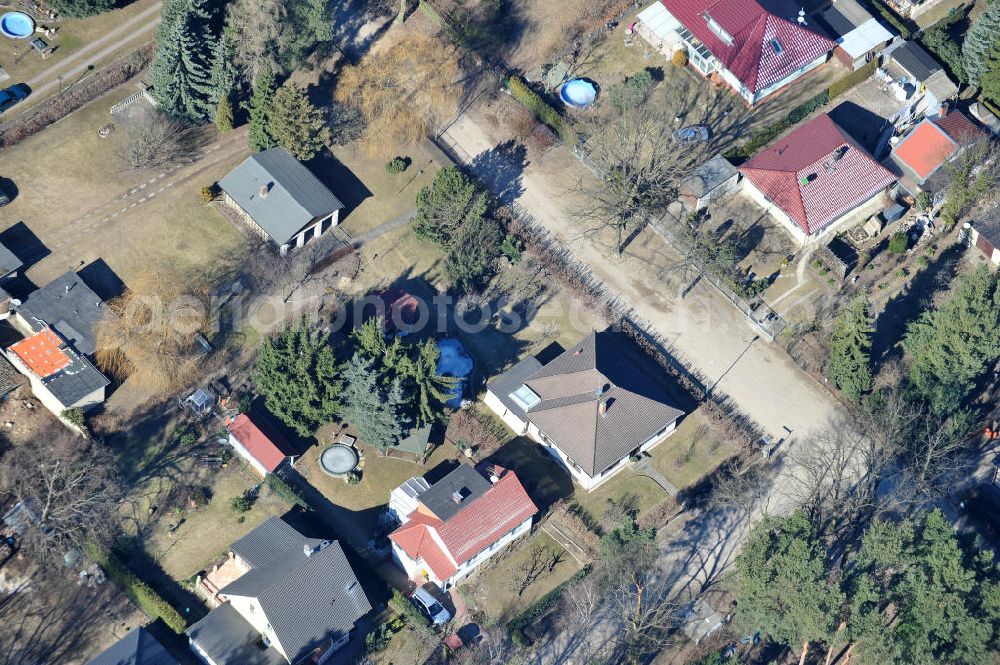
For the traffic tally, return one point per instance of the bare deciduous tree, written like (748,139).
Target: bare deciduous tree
(257,26)
(640,163)
(69,486)
(645,615)
(402,90)
(157,140)
(531,568)
(148,333)
(742,490)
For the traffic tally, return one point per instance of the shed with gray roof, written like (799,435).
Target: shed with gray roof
(715,178)
(280,199)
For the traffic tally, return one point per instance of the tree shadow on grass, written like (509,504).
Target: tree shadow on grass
(917,296)
(340,180)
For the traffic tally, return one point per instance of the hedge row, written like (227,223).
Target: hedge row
(138,591)
(771,132)
(800,112)
(541,109)
(543,605)
(57,107)
(845,83)
(284,491)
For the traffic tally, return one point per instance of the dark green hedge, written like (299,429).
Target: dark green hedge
(286,492)
(138,591)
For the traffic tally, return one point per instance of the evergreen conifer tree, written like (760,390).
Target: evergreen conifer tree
(224,114)
(260,111)
(297,125)
(952,346)
(224,73)
(849,361)
(180,71)
(377,413)
(979,42)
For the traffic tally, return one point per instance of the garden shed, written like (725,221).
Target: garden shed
(713,179)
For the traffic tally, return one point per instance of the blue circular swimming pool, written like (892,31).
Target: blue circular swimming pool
(17,25)
(578,93)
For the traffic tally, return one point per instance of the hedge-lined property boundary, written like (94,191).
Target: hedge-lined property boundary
(542,605)
(137,590)
(285,491)
(58,107)
(743,152)
(541,109)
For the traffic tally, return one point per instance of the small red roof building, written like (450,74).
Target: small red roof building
(934,141)
(760,42)
(816,174)
(265,455)
(42,353)
(446,545)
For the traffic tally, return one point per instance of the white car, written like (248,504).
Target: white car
(430,607)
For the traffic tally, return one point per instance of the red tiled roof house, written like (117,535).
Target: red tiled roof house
(757,47)
(925,149)
(450,528)
(816,177)
(259,450)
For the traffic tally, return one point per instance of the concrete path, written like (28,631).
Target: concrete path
(383,228)
(644,468)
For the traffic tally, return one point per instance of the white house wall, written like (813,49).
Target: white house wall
(484,556)
(250,610)
(510,418)
(245,454)
(777,213)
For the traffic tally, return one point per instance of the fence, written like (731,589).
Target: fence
(764,319)
(131,99)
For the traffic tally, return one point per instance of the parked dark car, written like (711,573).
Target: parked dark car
(12,95)
(4,196)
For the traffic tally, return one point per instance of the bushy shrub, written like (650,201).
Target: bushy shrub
(138,591)
(512,248)
(632,92)
(403,606)
(242,503)
(76,417)
(898,242)
(378,639)
(395,165)
(541,109)
(538,608)
(207,194)
(679,58)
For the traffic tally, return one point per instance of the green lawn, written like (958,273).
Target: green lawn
(493,590)
(691,452)
(362,503)
(373,196)
(639,492)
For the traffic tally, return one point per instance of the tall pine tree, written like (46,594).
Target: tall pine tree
(295,124)
(952,346)
(224,74)
(260,111)
(849,362)
(378,413)
(180,71)
(298,376)
(979,41)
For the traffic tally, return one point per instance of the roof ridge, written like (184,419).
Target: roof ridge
(276,181)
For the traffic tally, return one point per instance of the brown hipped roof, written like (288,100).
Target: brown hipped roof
(602,369)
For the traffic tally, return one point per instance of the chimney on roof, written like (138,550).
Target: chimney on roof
(264,189)
(308,551)
(602,408)
(578,351)
(802,17)
(459,495)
